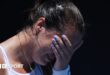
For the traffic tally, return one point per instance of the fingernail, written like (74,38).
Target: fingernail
(56,37)
(53,40)
(63,36)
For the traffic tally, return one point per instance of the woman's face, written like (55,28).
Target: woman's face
(43,54)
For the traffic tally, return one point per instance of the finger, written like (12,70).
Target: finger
(66,41)
(57,55)
(67,44)
(54,42)
(62,50)
(59,50)
(59,42)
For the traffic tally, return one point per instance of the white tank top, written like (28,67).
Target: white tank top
(11,71)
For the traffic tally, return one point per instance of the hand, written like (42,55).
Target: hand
(62,48)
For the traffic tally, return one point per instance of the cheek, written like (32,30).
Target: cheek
(40,56)
(46,41)
(42,49)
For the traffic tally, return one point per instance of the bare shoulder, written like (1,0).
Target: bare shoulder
(2,71)
(1,57)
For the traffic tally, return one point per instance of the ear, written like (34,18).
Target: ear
(38,26)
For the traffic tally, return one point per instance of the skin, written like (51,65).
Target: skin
(41,46)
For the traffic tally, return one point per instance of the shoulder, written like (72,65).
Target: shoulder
(1,57)
(2,71)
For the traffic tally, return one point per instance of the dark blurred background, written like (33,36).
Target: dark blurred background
(93,57)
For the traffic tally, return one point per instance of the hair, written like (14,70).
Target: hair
(58,14)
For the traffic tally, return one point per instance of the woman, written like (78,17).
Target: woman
(54,32)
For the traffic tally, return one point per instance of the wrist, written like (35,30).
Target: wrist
(65,71)
(61,68)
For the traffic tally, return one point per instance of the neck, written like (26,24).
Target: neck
(19,48)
